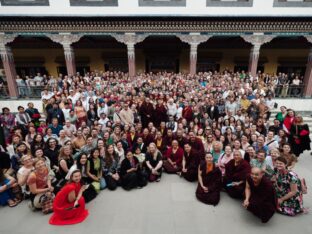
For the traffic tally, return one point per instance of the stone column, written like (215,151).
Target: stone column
(257,40)
(130,39)
(193,39)
(66,40)
(131,58)
(307,81)
(8,63)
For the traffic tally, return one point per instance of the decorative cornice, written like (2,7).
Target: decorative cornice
(147,25)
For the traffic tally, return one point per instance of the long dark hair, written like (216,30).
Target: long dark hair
(2,177)
(79,165)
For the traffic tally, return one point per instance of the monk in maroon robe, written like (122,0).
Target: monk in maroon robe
(190,163)
(236,172)
(147,137)
(160,113)
(260,196)
(197,144)
(180,138)
(169,138)
(187,112)
(146,111)
(209,182)
(173,158)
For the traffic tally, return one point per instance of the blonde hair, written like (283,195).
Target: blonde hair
(217,143)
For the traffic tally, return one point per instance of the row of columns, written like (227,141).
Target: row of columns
(130,40)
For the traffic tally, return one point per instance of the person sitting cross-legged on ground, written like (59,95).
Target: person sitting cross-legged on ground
(6,195)
(154,163)
(174,157)
(236,172)
(190,163)
(209,181)
(260,196)
(131,174)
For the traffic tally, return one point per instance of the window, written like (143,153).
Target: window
(160,3)
(24,2)
(94,2)
(292,3)
(230,3)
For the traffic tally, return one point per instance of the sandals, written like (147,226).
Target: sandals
(17,201)
(12,203)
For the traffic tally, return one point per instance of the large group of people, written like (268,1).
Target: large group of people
(109,130)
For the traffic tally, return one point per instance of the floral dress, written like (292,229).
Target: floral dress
(293,205)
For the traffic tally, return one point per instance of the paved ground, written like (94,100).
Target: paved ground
(166,207)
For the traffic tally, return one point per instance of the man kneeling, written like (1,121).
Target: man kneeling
(259,195)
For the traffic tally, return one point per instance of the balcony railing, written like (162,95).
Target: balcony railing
(288,91)
(4,92)
(30,91)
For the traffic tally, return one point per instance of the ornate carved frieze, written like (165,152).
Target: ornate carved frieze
(147,25)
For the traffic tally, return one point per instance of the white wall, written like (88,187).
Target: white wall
(131,8)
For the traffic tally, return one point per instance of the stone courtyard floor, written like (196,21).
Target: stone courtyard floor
(167,207)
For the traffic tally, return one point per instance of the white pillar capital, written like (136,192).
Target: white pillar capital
(309,38)
(194,38)
(257,40)
(65,39)
(5,51)
(129,38)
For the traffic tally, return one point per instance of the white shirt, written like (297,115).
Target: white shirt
(47,96)
(172,109)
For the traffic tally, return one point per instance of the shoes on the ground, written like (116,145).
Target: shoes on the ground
(158,179)
(31,206)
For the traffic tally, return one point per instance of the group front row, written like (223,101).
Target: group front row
(82,178)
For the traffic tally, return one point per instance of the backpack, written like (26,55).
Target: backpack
(302,186)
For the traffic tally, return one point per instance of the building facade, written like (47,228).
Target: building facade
(52,37)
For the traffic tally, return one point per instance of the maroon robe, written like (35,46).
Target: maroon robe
(191,164)
(160,115)
(182,141)
(187,113)
(176,157)
(147,139)
(130,141)
(262,202)
(168,140)
(163,147)
(236,174)
(198,145)
(146,111)
(211,180)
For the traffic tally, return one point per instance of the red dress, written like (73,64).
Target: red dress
(64,216)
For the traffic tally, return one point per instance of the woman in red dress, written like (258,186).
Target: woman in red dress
(69,204)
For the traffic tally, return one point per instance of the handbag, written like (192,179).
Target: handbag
(47,203)
(275,105)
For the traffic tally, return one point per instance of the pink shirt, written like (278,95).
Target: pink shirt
(222,161)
